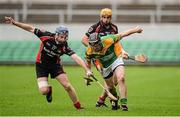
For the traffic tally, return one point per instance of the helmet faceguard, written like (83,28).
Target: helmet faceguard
(62,32)
(94,38)
(95,42)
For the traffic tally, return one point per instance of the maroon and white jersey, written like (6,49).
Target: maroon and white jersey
(102,29)
(50,51)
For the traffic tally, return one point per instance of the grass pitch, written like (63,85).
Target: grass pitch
(152,91)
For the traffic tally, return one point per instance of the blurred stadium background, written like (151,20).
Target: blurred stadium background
(160,20)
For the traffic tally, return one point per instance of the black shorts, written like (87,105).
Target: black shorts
(43,70)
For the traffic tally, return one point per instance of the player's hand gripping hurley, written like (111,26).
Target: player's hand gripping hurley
(140,58)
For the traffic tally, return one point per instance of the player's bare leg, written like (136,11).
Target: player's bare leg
(63,79)
(44,88)
(120,75)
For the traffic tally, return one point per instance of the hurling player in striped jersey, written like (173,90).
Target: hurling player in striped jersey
(103,27)
(48,61)
(110,58)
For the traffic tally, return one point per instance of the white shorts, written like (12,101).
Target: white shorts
(108,72)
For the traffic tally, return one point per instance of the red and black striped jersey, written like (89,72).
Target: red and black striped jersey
(50,51)
(103,30)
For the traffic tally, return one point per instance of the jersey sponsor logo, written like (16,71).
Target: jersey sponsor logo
(107,57)
(49,52)
(48,43)
(90,29)
(54,47)
(105,33)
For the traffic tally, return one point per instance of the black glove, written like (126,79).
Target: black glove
(88,81)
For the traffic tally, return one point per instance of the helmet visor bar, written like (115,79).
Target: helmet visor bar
(92,43)
(63,32)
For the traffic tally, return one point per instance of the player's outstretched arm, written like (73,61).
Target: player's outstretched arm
(79,61)
(136,29)
(84,40)
(140,58)
(27,27)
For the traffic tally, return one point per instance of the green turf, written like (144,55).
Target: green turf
(153,91)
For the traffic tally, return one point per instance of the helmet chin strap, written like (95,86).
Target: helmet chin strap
(57,42)
(56,35)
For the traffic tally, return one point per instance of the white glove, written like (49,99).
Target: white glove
(89,73)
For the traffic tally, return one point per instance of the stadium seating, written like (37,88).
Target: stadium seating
(62,11)
(25,51)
